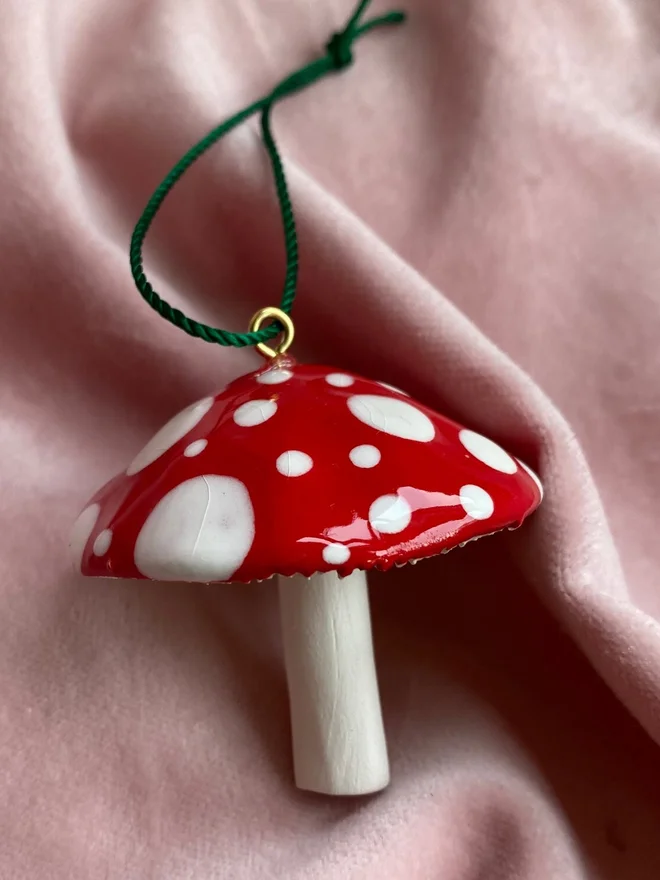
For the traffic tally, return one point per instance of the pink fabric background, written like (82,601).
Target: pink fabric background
(479,211)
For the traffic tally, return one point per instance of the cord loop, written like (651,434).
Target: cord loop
(338,56)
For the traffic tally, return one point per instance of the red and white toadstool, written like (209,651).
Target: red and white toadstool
(315,476)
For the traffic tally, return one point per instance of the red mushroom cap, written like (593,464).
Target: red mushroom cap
(300,469)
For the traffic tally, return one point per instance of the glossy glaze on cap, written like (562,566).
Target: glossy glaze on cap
(300,469)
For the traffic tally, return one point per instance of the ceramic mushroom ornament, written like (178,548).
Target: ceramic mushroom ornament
(304,473)
(315,476)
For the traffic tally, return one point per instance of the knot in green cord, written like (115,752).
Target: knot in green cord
(339,49)
(338,56)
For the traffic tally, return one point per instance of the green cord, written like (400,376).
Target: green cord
(338,56)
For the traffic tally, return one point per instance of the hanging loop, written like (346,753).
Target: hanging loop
(338,55)
(288,330)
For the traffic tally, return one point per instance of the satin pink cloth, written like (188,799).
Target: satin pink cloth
(478,201)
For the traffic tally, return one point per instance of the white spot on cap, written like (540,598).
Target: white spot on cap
(339,380)
(390,514)
(336,554)
(294,463)
(476,502)
(102,543)
(169,434)
(195,448)
(255,412)
(534,476)
(82,529)
(365,456)
(487,452)
(201,531)
(274,377)
(396,417)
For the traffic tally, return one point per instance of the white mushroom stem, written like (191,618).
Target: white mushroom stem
(337,726)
